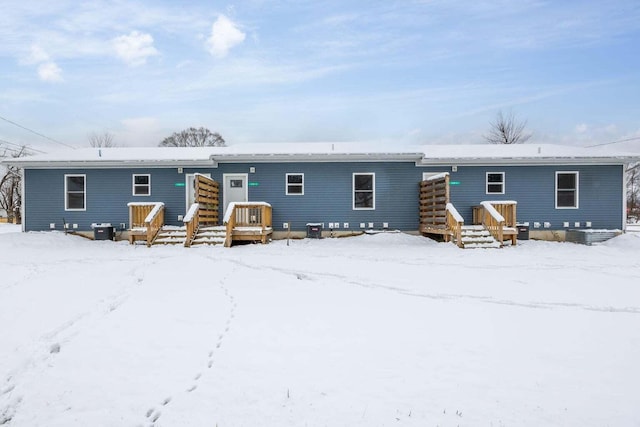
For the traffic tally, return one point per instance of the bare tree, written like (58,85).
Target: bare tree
(633,190)
(192,137)
(507,130)
(98,140)
(11,188)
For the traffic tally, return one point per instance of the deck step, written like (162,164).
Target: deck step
(171,235)
(211,235)
(477,236)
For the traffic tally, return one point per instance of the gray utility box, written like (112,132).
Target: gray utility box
(588,237)
(523,231)
(314,230)
(103,233)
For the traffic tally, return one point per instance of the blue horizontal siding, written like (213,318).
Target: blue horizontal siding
(533,187)
(328,193)
(108,192)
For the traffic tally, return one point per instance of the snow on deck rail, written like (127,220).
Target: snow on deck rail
(492,211)
(437,176)
(227,213)
(454,212)
(501,202)
(191,212)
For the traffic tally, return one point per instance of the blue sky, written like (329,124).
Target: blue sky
(403,72)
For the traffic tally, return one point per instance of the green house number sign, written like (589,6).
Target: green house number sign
(454,182)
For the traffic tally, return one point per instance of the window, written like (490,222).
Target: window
(235,183)
(566,190)
(295,184)
(141,185)
(495,183)
(364,186)
(75,194)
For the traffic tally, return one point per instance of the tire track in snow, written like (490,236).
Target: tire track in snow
(153,414)
(305,275)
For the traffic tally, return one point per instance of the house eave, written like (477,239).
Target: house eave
(120,164)
(214,160)
(318,157)
(522,161)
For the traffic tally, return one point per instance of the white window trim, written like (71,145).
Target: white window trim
(427,175)
(133,184)
(486,187)
(189,187)
(66,193)
(286,184)
(353,191)
(577,174)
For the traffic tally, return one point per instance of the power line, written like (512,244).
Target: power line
(18,146)
(613,142)
(36,133)
(13,151)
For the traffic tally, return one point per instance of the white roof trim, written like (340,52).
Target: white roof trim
(425,155)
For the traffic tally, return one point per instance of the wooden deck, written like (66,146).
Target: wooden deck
(250,221)
(145,221)
(438,216)
(499,217)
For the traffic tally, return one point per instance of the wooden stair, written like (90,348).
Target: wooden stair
(477,236)
(213,235)
(175,235)
(171,235)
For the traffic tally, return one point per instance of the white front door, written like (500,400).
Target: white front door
(190,184)
(235,188)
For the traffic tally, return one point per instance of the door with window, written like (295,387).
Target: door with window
(190,184)
(235,189)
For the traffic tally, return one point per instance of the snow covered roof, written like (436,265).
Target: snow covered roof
(321,152)
(521,154)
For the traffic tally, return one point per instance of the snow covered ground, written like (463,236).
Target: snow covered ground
(376,330)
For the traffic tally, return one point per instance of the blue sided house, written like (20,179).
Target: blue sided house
(473,195)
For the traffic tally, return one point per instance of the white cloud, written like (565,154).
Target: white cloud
(37,55)
(225,34)
(50,72)
(582,128)
(134,48)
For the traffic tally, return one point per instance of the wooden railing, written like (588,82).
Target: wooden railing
(493,221)
(499,217)
(505,208)
(191,224)
(146,220)
(434,196)
(248,221)
(455,223)
(207,196)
